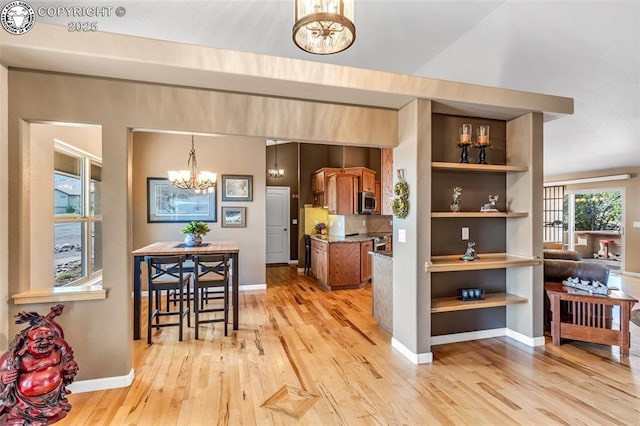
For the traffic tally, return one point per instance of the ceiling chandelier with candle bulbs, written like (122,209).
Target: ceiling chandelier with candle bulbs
(198,181)
(275,172)
(324,27)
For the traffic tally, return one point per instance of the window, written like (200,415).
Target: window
(77,186)
(553,214)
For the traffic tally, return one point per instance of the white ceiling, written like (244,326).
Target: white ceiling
(587,50)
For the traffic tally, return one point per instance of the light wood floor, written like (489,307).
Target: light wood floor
(318,358)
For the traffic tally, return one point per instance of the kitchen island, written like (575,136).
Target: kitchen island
(340,262)
(382,288)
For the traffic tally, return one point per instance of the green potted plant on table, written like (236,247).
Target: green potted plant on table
(194,231)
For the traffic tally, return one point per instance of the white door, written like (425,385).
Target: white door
(277,224)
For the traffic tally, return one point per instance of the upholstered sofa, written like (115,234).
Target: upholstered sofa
(562,264)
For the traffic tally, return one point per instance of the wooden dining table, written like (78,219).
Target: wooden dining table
(173,248)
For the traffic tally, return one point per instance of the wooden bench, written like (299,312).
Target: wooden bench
(578,315)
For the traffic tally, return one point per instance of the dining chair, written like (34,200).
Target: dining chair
(166,273)
(211,282)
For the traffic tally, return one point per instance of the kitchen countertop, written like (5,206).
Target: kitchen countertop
(340,239)
(386,254)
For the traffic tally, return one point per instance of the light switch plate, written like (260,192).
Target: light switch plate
(465,233)
(402,235)
(636,224)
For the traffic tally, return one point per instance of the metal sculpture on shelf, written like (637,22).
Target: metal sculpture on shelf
(456,205)
(491,205)
(470,254)
(35,372)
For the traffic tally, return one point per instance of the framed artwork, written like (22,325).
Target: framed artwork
(237,188)
(167,203)
(234,217)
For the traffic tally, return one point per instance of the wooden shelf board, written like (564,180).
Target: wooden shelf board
(485,261)
(479,214)
(467,167)
(491,300)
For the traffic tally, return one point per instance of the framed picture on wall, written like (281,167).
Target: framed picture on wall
(167,203)
(234,217)
(237,188)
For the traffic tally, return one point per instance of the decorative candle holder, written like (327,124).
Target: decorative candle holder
(464,141)
(482,142)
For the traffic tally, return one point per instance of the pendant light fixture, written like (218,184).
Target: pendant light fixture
(324,27)
(275,172)
(192,178)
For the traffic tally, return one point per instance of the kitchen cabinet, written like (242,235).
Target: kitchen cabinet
(365,260)
(319,182)
(378,193)
(319,254)
(366,178)
(341,194)
(340,264)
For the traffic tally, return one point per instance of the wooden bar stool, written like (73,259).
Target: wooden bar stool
(165,273)
(211,281)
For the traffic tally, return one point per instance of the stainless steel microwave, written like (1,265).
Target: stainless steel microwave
(366,202)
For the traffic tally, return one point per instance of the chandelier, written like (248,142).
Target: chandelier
(324,27)
(192,179)
(275,172)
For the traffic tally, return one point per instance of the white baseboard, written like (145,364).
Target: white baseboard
(293,262)
(102,384)
(631,274)
(251,287)
(529,341)
(470,335)
(424,358)
(487,334)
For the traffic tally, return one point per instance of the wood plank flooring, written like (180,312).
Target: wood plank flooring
(311,357)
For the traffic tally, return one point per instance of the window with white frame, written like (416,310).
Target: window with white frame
(77,186)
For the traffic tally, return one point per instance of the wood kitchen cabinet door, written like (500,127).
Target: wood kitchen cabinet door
(319,183)
(365,260)
(319,260)
(378,193)
(342,194)
(344,267)
(367,178)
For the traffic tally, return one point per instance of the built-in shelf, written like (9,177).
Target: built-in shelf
(491,300)
(484,261)
(468,167)
(479,214)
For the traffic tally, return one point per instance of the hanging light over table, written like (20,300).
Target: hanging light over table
(275,172)
(324,27)
(192,179)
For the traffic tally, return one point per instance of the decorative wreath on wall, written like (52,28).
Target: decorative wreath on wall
(400,204)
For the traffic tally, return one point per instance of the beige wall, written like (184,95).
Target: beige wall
(100,331)
(631,189)
(155,153)
(4,208)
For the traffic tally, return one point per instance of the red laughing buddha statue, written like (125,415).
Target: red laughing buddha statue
(35,372)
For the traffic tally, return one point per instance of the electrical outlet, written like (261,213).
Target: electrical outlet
(364,223)
(402,235)
(465,233)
